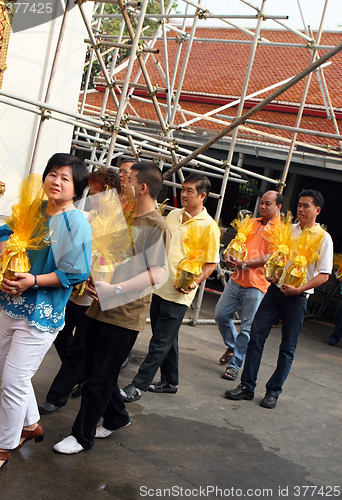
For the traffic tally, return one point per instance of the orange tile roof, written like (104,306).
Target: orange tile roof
(216,71)
(147,111)
(219,68)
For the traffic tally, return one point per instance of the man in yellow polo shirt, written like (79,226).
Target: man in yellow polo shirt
(169,305)
(246,288)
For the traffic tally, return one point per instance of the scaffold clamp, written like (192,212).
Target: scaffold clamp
(201,13)
(45,113)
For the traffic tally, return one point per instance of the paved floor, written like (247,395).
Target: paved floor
(196,444)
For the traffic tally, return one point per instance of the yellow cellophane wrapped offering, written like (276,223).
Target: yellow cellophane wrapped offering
(29,228)
(79,289)
(2,188)
(161,207)
(338,264)
(196,244)
(185,275)
(304,251)
(280,238)
(112,235)
(244,227)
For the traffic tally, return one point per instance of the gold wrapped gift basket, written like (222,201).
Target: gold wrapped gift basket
(280,238)
(244,227)
(304,251)
(29,226)
(197,244)
(112,234)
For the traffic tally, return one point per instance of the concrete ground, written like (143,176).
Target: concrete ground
(197,444)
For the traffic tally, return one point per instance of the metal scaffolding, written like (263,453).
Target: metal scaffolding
(105,136)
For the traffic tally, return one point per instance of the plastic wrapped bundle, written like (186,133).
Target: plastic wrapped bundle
(196,244)
(112,235)
(304,251)
(280,239)
(29,226)
(161,207)
(237,247)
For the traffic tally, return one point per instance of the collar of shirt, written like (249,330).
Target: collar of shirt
(312,229)
(201,216)
(271,222)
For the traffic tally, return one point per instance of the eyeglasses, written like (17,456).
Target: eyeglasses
(124,171)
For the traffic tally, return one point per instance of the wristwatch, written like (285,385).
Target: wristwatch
(243,265)
(117,290)
(35,285)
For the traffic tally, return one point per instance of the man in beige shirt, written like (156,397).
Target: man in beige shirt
(169,304)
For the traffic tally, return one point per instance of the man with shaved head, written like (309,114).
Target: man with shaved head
(246,287)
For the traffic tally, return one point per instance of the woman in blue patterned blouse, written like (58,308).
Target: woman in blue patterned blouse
(32,306)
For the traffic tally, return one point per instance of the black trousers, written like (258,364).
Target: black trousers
(166,320)
(64,338)
(71,371)
(106,348)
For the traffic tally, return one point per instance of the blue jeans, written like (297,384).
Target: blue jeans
(233,297)
(292,312)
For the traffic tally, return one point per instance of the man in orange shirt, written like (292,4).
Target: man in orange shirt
(246,288)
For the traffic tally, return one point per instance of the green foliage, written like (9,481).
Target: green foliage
(111,26)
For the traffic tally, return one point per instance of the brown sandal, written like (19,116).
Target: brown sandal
(37,434)
(227,356)
(4,455)
(230,373)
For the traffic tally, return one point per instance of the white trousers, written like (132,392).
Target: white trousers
(22,349)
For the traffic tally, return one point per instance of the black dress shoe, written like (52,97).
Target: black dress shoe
(270,400)
(130,393)
(241,392)
(163,387)
(47,408)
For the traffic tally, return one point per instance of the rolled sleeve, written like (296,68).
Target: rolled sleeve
(72,251)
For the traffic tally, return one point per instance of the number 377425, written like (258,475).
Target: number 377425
(28,7)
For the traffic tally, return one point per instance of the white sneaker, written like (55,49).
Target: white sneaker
(102,432)
(68,446)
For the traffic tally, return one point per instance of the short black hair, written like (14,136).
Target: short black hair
(317,197)
(127,159)
(203,184)
(279,199)
(149,174)
(106,177)
(79,170)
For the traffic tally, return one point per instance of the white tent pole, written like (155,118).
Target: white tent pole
(301,107)
(183,70)
(50,84)
(124,99)
(240,109)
